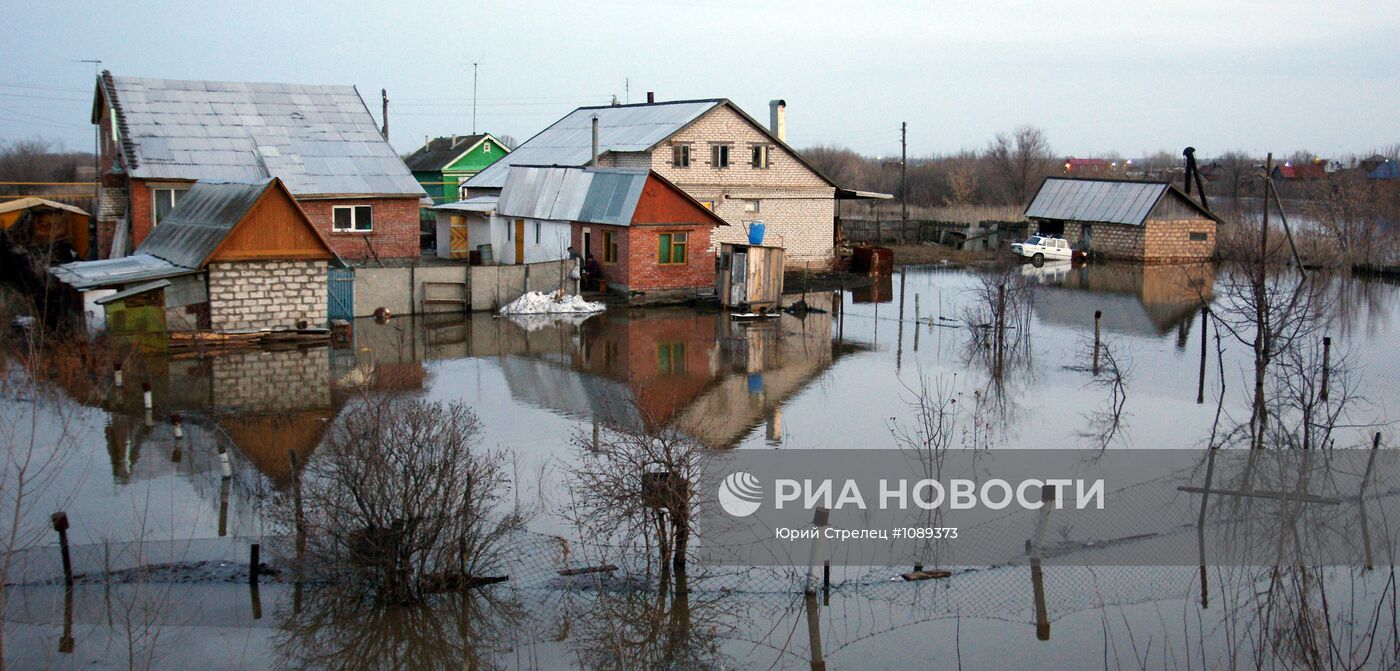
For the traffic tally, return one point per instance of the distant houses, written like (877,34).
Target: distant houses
(442,164)
(712,150)
(1153,222)
(160,136)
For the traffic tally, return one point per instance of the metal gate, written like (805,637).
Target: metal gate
(341,293)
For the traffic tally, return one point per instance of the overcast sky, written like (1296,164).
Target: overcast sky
(1131,77)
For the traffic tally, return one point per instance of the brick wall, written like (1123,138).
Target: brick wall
(264,294)
(637,268)
(1170,240)
(796,206)
(615,273)
(395,234)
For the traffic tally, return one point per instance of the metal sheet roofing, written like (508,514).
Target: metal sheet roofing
(320,140)
(133,291)
(27,203)
(205,215)
(477,204)
(83,275)
(1108,201)
(440,152)
(622,128)
(601,196)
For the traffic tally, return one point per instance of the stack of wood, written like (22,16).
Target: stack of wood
(224,340)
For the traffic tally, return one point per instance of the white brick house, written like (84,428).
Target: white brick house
(712,150)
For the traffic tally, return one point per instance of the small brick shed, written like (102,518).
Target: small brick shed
(1152,222)
(238,255)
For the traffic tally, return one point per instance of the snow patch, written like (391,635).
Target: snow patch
(539,303)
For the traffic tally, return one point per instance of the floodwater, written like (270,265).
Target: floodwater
(839,377)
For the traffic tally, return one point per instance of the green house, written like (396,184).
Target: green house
(443,163)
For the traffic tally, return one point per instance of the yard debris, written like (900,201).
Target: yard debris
(538,303)
(931,574)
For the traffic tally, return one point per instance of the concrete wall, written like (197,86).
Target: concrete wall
(491,286)
(494,286)
(266,294)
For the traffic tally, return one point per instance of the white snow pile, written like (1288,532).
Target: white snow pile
(540,303)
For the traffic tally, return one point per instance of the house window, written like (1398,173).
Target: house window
(759,156)
(537,232)
(751,207)
(486,147)
(670,357)
(164,200)
(352,218)
(609,247)
(680,155)
(672,249)
(1199,237)
(719,155)
(709,204)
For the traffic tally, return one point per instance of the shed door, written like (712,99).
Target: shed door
(739,279)
(341,294)
(458,234)
(519,241)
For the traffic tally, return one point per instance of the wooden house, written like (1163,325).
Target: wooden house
(442,164)
(237,255)
(1146,221)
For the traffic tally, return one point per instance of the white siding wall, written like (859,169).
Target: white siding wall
(552,243)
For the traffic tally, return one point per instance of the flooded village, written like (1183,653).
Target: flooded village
(286,385)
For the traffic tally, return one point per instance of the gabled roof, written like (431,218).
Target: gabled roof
(441,152)
(84,275)
(28,203)
(319,140)
(622,128)
(205,216)
(1114,201)
(587,195)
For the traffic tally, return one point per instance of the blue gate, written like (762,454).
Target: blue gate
(341,292)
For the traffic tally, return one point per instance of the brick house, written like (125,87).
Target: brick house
(159,136)
(715,152)
(647,235)
(232,255)
(1153,222)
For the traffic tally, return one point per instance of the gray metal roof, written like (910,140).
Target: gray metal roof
(83,275)
(569,141)
(440,152)
(1108,201)
(595,196)
(477,204)
(133,291)
(201,220)
(320,140)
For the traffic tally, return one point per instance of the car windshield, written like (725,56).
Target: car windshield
(1033,240)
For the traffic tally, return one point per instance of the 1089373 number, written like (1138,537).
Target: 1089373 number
(933,533)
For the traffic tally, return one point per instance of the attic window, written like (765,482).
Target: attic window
(759,156)
(486,147)
(680,156)
(719,156)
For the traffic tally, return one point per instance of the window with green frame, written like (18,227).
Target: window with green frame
(672,248)
(670,357)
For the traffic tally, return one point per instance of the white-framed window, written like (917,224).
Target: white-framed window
(163,200)
(751,206)
(486,147)
(719,156)
(758,155)
(352,218)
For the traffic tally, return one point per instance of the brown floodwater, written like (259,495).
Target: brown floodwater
(839,377)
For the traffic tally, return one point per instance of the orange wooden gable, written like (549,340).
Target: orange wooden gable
(274,228)
(665,203)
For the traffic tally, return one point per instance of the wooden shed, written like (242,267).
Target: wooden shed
(750,277)
(1153,222)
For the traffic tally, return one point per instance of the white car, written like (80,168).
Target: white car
(1037,248)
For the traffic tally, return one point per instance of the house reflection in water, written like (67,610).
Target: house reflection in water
(1149,300)
(708,375)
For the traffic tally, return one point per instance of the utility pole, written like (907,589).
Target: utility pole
(474,98)
(627,90)
(903,176)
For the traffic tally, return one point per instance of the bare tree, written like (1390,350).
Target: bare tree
(1020,160)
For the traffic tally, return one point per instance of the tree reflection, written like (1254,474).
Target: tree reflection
(666,628)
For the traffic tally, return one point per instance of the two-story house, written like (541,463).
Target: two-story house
(712,150)
(159,136)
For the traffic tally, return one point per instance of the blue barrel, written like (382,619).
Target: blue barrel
(755,232)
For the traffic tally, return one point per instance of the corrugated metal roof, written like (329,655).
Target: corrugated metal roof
(595,196)
(1108,201)
(569,141)
(477,204)
(134,291)
(201,220)
(320,140)
(83,275)
(440,152)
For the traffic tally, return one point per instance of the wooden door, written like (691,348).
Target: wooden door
(460,245)
(519,241)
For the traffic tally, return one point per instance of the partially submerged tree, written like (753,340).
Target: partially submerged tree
(403,500)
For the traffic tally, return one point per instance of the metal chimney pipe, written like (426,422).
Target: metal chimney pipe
(777,119)
(595,141)
(384,94)
(651,97)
